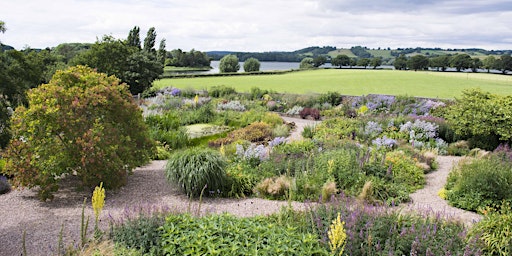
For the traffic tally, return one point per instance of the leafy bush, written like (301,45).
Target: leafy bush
(166,129)
(479,183)
(194,169)
(333,98)
(228,235)
(81,121)
(338,128)
(459,148)
(239,183)
(221,91)
(405,170)
(494,231)
(141,233)
(480,113)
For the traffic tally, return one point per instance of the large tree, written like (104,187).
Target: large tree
(461,61)
(440,62)
(340,61)
(150,40)
(82,123)
(251,65)
(400,62)
(134,37)
(319,61)
(363,62)
(489,63)
(2,27)
(137,68)
(161,54)
(418,62)
(306,63)
(504,63)
(229,63)
(375,62)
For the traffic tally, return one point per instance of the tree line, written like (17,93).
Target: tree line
(460,62)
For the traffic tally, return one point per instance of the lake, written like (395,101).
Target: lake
(264,66)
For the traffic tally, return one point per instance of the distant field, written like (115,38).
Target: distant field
(357,82)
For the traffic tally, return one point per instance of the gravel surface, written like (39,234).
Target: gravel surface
(427,199)
(147,188)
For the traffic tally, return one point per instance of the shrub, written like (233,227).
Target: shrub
(494,231)
(333,98)
(405,171)
(239,183)
(81,122)
(221,91)
(141,233)
(480,183)
(228,235)
(194,169)
(338,128)
(459,148)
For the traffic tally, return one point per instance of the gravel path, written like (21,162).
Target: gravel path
(427,199)
(147,189)
(296,134)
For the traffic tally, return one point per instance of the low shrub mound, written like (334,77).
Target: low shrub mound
(255,132)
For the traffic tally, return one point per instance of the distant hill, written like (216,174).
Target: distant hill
(4,47)
(387,54)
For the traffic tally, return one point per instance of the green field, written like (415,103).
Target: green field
(356,82)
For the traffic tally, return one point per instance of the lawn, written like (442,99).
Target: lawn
(357,82)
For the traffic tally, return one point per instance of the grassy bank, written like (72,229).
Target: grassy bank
(357,82)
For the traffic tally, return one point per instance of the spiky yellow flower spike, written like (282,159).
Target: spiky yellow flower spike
(98,200)
(337,235)
(196,99)
(222,150)
(330,166)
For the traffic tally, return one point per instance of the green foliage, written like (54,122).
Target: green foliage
(221,91)
(282,130)
(418,62)
(251,65)
(494,231)
(480,183)
(141,233)
(306,63)
(228,235)
(376,231)
(338,128)
(229,63)
(239,182)
(114,57)
(167,130)
(480,113)
(333,98)
(196,168)
(82,122)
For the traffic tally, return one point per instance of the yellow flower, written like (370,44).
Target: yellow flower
(98,200)
(337,235)
(196,99)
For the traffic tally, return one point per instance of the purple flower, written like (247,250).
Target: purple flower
(384,142)
(277,141)
(175,92)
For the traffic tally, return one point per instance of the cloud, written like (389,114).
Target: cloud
(264,25)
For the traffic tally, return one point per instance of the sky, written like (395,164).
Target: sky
(263,25)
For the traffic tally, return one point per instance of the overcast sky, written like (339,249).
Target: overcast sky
(263,25)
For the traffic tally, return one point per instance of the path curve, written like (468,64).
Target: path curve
(296,134)
(428,200)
